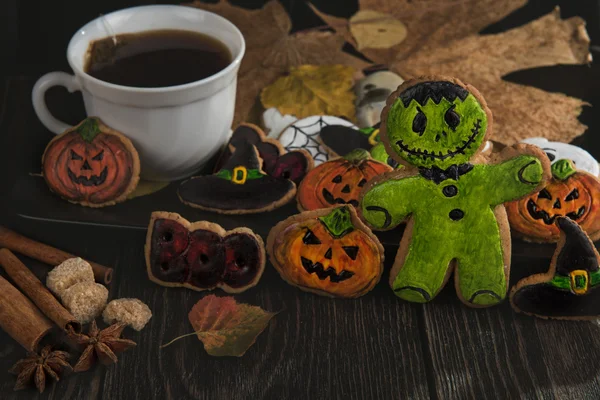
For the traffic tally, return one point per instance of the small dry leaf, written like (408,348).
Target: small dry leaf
(225,327)
(519,111)
(271,51)
(145,188)
(313,90)
(375,30)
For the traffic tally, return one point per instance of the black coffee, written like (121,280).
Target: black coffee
(156,58)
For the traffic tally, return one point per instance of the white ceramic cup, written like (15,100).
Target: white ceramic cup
(175,129)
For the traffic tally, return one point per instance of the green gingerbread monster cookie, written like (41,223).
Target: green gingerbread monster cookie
(436,126)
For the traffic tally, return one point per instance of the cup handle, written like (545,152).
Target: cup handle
(39,102)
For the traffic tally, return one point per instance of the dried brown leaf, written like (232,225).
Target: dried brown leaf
(271,50)
(225,327)
(430,23)
(519,111)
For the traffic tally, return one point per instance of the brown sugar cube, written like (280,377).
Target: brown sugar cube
(85,300)
(128,311)
(67,274)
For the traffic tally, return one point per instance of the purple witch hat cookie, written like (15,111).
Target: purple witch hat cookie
(571,287)
(277,162)
(240,187)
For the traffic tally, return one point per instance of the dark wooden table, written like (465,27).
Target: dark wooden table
(374,347)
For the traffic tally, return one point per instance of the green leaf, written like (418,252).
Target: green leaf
(89,129)
(338,222)
(562,169)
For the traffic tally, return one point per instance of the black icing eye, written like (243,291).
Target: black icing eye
(99,156)
(75,156)
(310,238)
(352,251)
(452,118)
(544,194)
(362,182)
(420,122)
(573,195)
(369,86)
(337,179)
(551,156)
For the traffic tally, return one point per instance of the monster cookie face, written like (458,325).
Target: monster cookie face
(435,124)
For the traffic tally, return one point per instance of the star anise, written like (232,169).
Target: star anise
(101,345)
(39,366)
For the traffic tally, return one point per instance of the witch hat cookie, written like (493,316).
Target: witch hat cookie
(571,287)
(240,187)
(276,160)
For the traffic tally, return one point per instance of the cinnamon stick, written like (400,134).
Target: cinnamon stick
(46,254)
(20,318)
(37,292)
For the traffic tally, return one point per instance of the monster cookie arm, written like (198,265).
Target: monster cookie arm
(524,170)
(385,204)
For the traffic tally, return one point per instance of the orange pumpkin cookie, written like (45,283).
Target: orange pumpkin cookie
(338,181)
(328,252)
(571,193)
(91,164)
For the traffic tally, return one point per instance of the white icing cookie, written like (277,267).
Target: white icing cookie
(371,94)
(557,150)
(304,134)
(275,123)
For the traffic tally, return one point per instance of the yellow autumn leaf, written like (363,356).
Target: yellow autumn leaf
(145,188)
(375,30)
(313,90)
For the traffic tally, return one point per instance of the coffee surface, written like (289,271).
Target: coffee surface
(158,58)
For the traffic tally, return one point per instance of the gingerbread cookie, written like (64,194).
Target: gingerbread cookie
(240,187)
(436,126)
(329,252)
(571,287)
(277,162)
(91,165)
(305,134)
(338,181)
(582,160)
(202,255)
(571,193)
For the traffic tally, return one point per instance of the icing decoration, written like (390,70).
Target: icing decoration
(240,187)
(557,151)
(275,123)
(327,251)
(371,94)
(91,164)
(338,181)
(571,287)
(277,162)
(202,255)
(454,213)
(570,192)
(379,153)
(304,134)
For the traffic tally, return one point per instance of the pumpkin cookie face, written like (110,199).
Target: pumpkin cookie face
(91,164)
(571,193)
(328,252)
(435,123)
(202,255)
(338,181)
